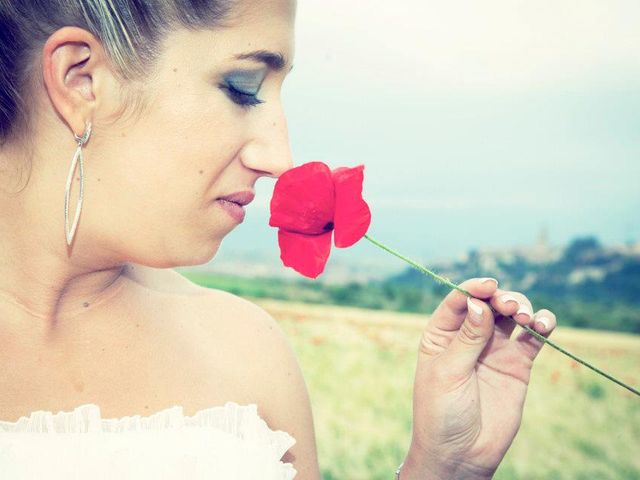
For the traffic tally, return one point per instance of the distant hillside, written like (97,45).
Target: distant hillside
(585,283)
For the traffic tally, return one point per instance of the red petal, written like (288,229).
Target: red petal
(306,254)
(303,199)
(352,215)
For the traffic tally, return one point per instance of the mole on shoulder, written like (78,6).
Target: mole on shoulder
(85,304)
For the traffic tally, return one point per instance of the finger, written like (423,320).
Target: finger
(452,311)
(544,323)
(503,302)
(510,304)
(471,339)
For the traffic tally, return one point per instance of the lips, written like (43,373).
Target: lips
(241,198)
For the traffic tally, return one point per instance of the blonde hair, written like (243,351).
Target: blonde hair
(131,32)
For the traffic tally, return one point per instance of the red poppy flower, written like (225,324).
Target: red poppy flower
(309,203)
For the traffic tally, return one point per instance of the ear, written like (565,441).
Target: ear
(74,72)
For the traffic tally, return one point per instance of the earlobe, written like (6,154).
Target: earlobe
(69,60)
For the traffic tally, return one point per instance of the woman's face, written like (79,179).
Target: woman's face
(151,183)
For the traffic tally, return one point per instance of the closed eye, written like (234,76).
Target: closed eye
(244,99)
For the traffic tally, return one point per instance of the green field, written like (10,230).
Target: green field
(359,366)
(600,311)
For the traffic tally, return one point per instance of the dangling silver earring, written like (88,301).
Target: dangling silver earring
(78,155)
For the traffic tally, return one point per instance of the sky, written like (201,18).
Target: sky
(479,123)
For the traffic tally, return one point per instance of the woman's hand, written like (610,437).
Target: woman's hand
(471,383)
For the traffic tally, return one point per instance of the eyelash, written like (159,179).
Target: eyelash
(245,100)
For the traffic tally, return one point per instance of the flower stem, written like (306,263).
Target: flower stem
(447,282)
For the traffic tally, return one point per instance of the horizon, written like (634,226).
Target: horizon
(367,264)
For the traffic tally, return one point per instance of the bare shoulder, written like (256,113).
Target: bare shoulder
(252,354)
(281,391)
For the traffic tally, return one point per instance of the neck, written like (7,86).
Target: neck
(41,277)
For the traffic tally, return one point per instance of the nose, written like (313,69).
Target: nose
(269,151)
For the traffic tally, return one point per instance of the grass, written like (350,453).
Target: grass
(359,366)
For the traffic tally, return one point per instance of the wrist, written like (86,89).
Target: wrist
(419,467)
(412,469)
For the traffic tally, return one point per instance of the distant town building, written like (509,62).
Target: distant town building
(539,252)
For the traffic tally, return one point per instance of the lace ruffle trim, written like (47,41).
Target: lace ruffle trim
(241,421)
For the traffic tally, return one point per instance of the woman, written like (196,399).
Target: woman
(173,105)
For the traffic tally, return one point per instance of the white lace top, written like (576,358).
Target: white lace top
(228,442)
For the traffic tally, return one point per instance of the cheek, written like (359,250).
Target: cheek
(171,164)
(168,187)
(193,137)
(180,153)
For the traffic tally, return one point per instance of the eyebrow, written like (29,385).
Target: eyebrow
(274,60)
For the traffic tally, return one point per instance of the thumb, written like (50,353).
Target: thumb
(473,336)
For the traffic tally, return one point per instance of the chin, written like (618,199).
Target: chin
(192,257)
(194,251)
(204,255)
(209,252)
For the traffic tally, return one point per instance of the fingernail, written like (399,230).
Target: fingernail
(475,312)
(542,323)
(507,298)
(486,279)
(524,309)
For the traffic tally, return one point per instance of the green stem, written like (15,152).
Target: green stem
(447,282)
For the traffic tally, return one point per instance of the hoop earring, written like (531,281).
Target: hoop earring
(78,156)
